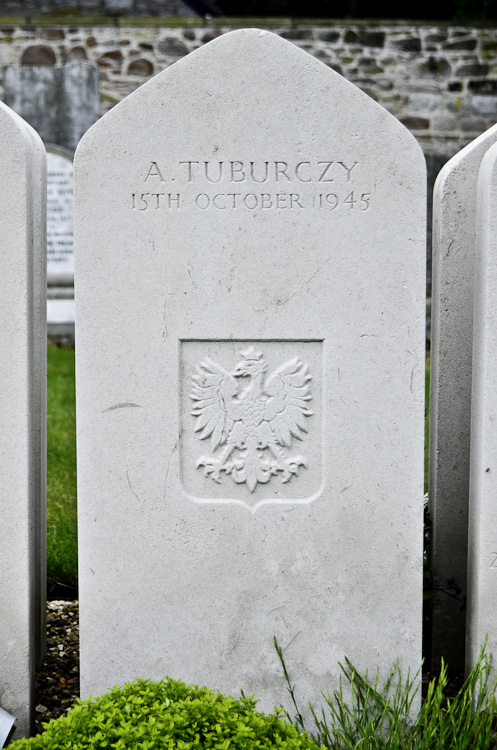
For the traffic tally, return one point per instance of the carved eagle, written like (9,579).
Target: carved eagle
(265,413)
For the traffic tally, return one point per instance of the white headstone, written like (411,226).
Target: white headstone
(60,102)
(60,250)
(454,242)
(22,398)
(237,222)
(60,244)
(39,405)
(482,540)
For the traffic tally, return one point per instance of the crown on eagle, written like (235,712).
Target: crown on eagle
(250,355)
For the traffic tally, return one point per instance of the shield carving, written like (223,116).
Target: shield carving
(250,433)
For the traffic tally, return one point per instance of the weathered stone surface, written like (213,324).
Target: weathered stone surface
(141,67)
(329,36)
(351,36)
(410,44)
(454,242)
(78,53)
(424,102)
(472,69)
(472,124)
(415,123)
(488,86)
(484,105)
(172,47)
(22,399)
(369,65)
(209,36)
(297,34)
(111,58)
(38,54)
(372,38)
(462,44)
(52,34)
(436,38)
(443,121)
(434,67)
(60,103)
(187,249)
(482,556)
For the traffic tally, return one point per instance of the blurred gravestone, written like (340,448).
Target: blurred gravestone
(22,415)
(61,103)
(60,250)
(250,402)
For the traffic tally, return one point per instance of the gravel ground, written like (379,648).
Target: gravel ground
(57,683)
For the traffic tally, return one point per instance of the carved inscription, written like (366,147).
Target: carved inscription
(493,564)
(252,417)
(60,253)
(262,185)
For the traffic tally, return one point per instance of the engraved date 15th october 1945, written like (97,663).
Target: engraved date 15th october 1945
(344,201)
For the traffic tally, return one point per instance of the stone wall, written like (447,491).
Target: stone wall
(439,80)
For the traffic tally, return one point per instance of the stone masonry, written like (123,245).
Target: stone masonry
(438,80)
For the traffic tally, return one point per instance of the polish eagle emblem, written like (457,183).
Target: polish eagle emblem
(252,417)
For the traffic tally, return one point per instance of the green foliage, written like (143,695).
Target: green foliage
(147,715)
(373,716)
(62,551)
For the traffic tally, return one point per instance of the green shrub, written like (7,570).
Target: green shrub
(147,715)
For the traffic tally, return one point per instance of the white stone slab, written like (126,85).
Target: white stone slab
(60,311)
(60,245)
(22,465)
(249,206)
(482,540)
(38,195)
(454,241)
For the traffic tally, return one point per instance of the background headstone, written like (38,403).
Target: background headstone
(454,243)
(22,401)
(60,245)
(482,544)
(61,103)
(60,250)
(243,213)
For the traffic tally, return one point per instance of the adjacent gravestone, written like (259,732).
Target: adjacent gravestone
(61,103)
(250,401)
(482,546)
(454,241)
(39,402)
(60,250)
(22,403)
